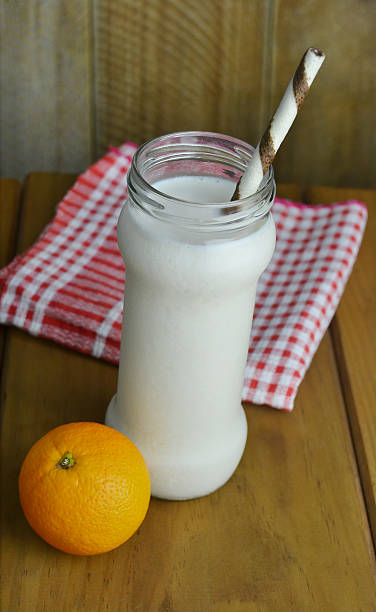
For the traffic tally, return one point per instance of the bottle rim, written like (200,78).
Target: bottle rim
(217,155)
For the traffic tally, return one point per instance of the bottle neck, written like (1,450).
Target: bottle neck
(203,156)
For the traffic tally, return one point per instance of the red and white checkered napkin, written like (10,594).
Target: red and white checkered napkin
(69,285)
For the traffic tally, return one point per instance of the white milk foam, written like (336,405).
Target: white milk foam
(202,189)
(187,318)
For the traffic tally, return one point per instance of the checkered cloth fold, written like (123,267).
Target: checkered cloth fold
(69,285)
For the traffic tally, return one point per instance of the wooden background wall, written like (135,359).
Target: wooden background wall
(77,75)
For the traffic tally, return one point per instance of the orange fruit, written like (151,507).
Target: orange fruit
(84,488)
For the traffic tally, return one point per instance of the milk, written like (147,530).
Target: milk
(187,319)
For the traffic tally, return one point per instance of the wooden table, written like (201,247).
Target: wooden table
(292,529)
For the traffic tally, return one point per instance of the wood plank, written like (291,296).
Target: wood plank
(354,334)
(160,67)
(18,232)
(172,66)
(10,190)
(46,86)
(331,142)
(289,191)
(42,192)
(288,532)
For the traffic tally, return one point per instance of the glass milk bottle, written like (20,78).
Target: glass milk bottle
(193,259)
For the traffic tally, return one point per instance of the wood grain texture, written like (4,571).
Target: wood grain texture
(10,190)
(354,334)
(77,75)
(288,532)
(9,208)
(45,109)
(170,66)
(332,141)
(42,191)
(289,191)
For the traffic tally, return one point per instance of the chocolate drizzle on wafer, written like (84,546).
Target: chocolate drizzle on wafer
(316,51)
(267,151)
(267,155)
(236,195)
(300,83)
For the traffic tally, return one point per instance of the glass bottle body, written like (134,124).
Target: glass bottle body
(193,259)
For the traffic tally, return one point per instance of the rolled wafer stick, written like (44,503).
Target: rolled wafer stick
(280,123)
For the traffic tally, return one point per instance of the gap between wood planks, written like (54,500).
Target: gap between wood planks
(348,401)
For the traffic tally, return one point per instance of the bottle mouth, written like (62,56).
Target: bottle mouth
(201,154)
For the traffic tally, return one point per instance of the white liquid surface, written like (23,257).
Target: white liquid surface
(202,189)
(188,311)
